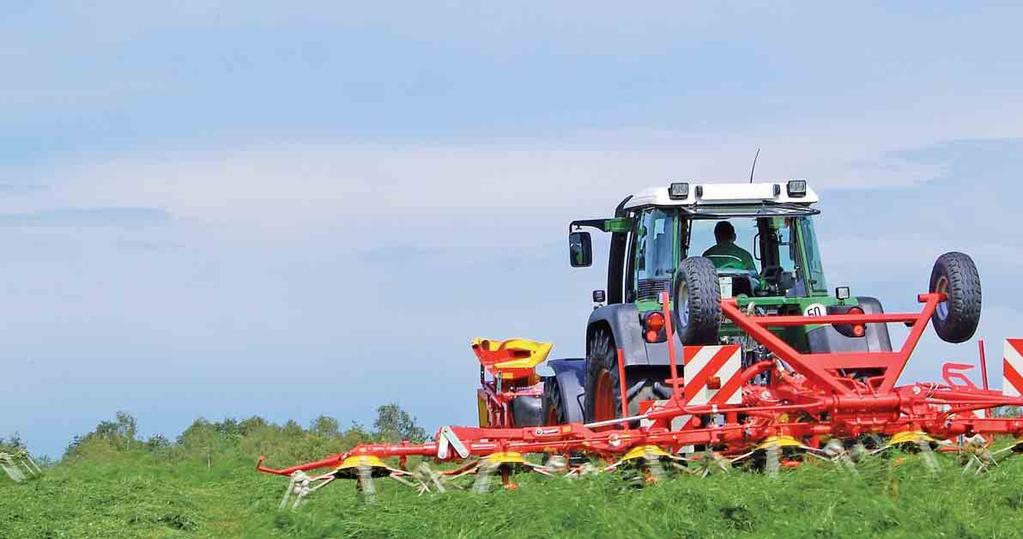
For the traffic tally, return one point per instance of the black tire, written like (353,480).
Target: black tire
(955,320)
(527,411)
(697,301)
(642,383)
(553,407)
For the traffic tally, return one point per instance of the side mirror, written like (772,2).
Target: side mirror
(580,249)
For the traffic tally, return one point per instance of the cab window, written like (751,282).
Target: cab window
(701,236)
(655,254)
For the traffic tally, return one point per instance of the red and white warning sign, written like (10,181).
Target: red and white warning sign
(712,374)
(1012,368)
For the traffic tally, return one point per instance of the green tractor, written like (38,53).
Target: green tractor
(701,243)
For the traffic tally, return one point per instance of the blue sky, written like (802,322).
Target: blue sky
(233,208)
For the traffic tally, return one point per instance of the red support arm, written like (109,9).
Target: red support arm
(816,367)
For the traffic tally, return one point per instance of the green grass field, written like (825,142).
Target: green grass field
(205,485)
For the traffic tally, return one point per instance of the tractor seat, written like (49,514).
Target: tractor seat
(513,358)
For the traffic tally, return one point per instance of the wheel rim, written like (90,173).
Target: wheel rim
(683,304)
(942,287)
(604,399)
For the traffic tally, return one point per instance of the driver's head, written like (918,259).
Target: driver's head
(724,232)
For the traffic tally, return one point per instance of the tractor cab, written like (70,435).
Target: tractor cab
(757,251)
(759,237)
(702,243)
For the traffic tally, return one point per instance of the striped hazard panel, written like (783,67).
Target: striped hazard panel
(712,374)
(1012,368)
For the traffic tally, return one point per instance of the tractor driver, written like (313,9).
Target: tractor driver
(726,254)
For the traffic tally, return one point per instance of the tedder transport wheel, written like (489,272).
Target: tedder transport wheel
(603,389)
(553,408)
(955,275)
(697,301)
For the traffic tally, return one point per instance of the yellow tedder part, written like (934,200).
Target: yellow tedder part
(512,359)
(910,437)
(642,451)
(779,441)
(505,457)
(481,406)
(350,466)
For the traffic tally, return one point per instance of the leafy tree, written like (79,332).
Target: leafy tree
(1007,411)
(158,442)
(252,425)
(394,425)
(117,435)
(325,426)
(12,444)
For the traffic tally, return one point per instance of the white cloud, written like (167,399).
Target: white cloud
(290,191)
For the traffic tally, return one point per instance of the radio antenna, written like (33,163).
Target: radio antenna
(754,169)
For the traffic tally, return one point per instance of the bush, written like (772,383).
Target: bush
(394,425)
(12,445)
(108,437)
(208,443)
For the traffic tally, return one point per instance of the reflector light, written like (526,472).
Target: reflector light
(714,382)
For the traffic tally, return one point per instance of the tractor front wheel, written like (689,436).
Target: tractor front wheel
(955,275)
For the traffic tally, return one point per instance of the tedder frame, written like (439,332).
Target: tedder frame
(806,401)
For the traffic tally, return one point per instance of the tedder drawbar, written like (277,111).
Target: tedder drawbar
(716,342)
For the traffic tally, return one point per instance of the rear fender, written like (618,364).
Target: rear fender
(622,319)
(571,377)
(828,339)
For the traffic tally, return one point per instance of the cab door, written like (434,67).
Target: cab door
(654,254)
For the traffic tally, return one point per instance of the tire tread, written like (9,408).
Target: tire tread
(964,297)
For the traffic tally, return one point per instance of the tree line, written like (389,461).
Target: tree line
(211,441)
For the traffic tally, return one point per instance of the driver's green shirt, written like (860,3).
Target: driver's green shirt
(730,256)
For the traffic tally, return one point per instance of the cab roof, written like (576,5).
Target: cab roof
(723,194)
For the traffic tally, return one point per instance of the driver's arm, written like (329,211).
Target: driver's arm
(747,260)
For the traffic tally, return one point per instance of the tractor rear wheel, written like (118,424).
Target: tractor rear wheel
(603,382)
(697,301)
(955,275)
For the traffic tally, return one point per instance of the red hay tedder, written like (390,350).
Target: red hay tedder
(701,362)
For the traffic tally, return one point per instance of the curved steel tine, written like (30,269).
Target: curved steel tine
(366,484)
(772,463)
(484,472)
(556,464)
(836,452)
(930,460)
(653,465)
(428,477)
(298,483)
(858,452)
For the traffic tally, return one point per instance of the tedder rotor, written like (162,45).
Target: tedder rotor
(702,354)
(19,465)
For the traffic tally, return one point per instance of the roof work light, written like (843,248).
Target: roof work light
(678,190)
(796,188)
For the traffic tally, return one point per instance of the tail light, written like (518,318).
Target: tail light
(654,323)
(858,330)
